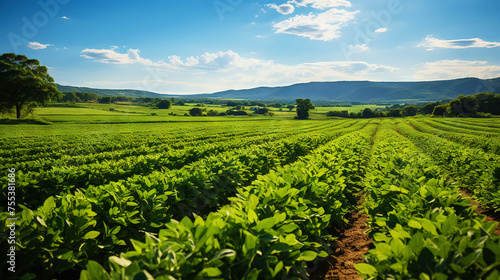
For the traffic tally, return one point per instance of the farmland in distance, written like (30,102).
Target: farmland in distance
(125,193)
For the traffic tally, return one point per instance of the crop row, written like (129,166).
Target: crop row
(485,123)
(270,229)
(422,226)
(485,143)
(20,150)
(35,187)
(446,126)
(477,126)
(60,158)
(66,231)
(472,168)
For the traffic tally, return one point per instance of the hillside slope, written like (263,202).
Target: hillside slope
(364,91)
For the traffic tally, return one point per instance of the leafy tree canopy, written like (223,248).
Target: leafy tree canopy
(195,112)
(165,104)
(24,83)
(303,107)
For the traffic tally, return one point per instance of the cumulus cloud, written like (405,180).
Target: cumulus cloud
(321,4)
(38,46)
(381,30)
(111,56)
(208,61)
(228,69)
(284,9)
(360,48)
(431,43)
(324,26)
(451,69)
(65,17)
(241,71)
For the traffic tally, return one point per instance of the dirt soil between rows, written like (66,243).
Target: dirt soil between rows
(348,249)
(491,216)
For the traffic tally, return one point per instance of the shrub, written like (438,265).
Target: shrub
(195,112)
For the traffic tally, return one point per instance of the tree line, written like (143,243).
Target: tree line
(477,105)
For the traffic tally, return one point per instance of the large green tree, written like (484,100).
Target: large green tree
(165,104)
(410,110)
(303,107)
(24,83)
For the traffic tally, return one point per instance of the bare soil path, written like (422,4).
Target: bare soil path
(349,248)
(491,216)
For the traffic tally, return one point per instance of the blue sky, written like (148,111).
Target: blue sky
(202,46)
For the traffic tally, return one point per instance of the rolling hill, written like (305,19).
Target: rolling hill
(113,92)
(366,91)
(363,91)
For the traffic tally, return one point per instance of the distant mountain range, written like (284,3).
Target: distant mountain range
(112,92)
(362,91)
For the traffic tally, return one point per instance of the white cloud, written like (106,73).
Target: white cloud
(324,26)
(451,69)
(110,56)
(381,30)
(243,72)
(284,9)
(254,73)
(227,69)
(65,17)
(360,48)
(431,43)
(38,46)
(260,36)
(321,4)
(208,61)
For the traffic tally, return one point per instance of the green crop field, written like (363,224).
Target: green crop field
(138,193)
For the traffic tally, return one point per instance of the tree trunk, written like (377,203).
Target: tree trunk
(18,110)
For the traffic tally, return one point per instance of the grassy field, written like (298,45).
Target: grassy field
(90,118)
(125,192)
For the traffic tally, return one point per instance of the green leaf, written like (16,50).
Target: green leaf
(116,229)
(252,275)
(143,275)
(471,258)
(41,221)
(424,276)
(414,224)
(416,243)
(323,254)
(277,268)
(94,272)
(307,256)
(289,227)
(120,261)
(252,217)
(380,237)
(365,268)
(495,275)
(449,224)
(266,224)
(66,255)
(49,204)
(211,272)
(225,253)
(91,234)
(250,243)
(429,226)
